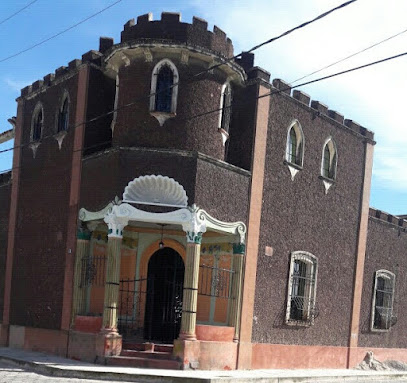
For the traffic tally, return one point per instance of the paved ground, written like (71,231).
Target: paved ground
(10,373)
(18,365)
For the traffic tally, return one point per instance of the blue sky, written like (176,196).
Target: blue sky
(373,97)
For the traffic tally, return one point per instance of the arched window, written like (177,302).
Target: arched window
(164,88)
(301,288)
(226,105)
(295,144)
(63,115)
(383,297)
(37,123)
(329,160)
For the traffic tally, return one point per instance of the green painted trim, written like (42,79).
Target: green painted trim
(239,248)
(84,235)
(193,237)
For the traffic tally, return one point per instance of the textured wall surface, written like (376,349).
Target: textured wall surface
(135,126)
(298,215)
(386,249)
(5,190)
(43,200)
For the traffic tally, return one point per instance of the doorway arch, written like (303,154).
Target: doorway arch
(165,281)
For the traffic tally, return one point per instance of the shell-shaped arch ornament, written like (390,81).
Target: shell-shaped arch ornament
(155,190)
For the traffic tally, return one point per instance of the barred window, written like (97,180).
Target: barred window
(295,144)
(301,289)
(383,297)
(63,116)
(329,160)
(164,87)
(37,123)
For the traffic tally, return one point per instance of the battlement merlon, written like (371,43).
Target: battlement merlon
(171,28)
(400,220)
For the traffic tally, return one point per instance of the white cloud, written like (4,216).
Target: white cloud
(16,85)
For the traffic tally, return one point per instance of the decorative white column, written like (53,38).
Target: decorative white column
(194,230)
(237,266)
(111,304)
(79,289)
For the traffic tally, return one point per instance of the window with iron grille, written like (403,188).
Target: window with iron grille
(37,123)
(329,160)
(164,88)
(302,289)
(383,297)
(63,116)
(295,144)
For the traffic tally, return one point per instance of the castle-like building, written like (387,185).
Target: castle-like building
(170,206)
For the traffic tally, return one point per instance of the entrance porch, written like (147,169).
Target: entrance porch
(144,280)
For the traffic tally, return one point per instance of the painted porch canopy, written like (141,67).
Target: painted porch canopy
(160,191)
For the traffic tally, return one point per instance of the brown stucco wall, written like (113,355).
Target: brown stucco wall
(136,127)
(5,190)
(43,200)
(298,215)
(386,249)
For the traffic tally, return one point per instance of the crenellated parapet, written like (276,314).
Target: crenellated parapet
(321,109)
(170,28)
(93,57)
(388,218)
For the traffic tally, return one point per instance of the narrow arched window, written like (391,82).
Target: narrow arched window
(226,105)
(302,288)
(383,297)
(37,123)
(164,88)
(63,116)
(329,160)
(295,144)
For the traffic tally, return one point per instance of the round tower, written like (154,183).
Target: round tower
(164,91)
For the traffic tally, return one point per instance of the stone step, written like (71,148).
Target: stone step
(147,354)
(127,361)
(143,347)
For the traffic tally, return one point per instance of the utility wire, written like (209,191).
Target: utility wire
(321,16)
(59,33)
(273,92)
(350,56)
(17,12)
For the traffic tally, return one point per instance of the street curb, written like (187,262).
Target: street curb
(56,371)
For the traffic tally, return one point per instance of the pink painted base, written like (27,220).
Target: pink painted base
(214,333)
(88,324)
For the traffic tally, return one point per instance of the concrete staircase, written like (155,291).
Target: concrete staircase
(146,355)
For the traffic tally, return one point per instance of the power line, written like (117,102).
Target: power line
(350,56)
(59,33)
(321,16)
(17,12)
(273,92)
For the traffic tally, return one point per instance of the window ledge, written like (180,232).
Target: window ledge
(162,116)
(225,135)
(328,182)
(378,330)
(60,137)
(33,145)
(293,168)
(298,323)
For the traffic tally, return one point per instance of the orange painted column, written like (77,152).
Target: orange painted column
(360,256)
(76,170)
(13,210)
(244,359)
(237,266)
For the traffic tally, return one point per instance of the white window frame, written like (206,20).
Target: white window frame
(37,109)
(225,134)
(174,94)
(312,269)
(389,276)
(299,146)
(64,97)
(333,154)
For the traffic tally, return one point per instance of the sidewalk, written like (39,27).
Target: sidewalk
(61,367)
